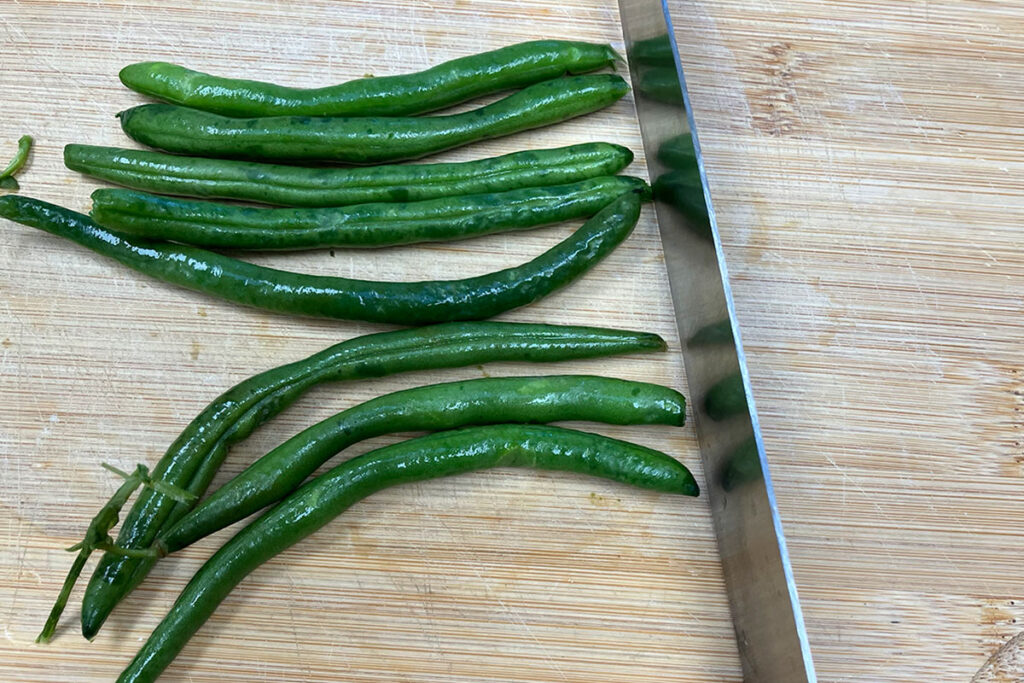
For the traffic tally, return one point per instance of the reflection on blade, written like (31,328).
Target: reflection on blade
(660,83)
(742,466)
(769,627)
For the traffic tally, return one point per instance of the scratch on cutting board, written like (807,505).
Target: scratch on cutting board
(898,95)
(517,619)
(296,640)
(846,478)
(917,283)
(428,611)
(76,86)
(512,614)
(17,583)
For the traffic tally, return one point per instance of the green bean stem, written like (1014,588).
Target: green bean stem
(7,179)
(96,535)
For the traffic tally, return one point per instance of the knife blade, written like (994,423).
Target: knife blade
(766,614)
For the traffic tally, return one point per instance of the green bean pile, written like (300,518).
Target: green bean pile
(227,138)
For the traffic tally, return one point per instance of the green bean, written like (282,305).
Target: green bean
(317,187)
(433,408)
(197,453)
(228,226)
(407,303)
(437,455)
(441,86)
(7,179)
(368,139)
(429,408)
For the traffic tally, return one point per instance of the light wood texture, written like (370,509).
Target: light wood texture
(504,576)
(866,162)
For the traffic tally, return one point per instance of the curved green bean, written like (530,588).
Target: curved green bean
(319,187)
(437,455)
(197,453)
(405,303)
(229,226)
(429,408)
(449,83)
(369,139)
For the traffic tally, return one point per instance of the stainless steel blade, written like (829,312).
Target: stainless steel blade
(762,595)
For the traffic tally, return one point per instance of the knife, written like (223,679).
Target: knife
(763,600)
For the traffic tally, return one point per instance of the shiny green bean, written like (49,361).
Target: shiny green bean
(406,303)
(434,407)
(195,456)
(229,226)
(317,187)
(449,83)
(368,139)
(437,455)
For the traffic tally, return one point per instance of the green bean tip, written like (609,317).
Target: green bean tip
(126,72)
(692,489)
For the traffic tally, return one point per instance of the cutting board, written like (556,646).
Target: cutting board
(865,160)
(862,160)
(504,575)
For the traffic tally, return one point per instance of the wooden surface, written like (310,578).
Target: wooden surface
(865,158)
(505,575)
(864,161)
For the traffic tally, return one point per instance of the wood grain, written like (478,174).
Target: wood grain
(866,164)
(503,576)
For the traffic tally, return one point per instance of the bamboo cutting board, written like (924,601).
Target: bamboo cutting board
(863,160)
(504,575)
